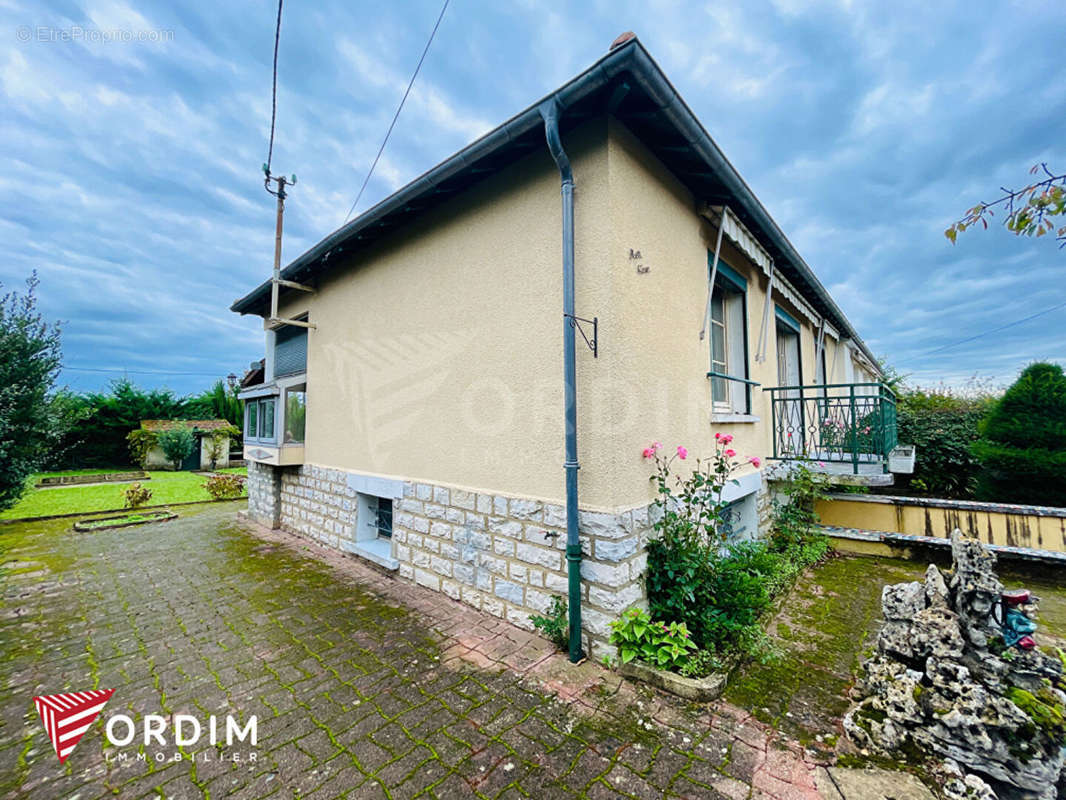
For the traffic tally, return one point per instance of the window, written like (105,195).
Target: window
(295,419)
(266,419)
(250,429)
(383,518)
(739,519)
(259,419)
(290,350)
(729,342)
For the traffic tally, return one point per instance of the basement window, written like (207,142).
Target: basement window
(383,518)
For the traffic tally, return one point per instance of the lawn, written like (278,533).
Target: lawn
(167,487)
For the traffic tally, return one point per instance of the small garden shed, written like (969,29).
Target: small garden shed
(212,443)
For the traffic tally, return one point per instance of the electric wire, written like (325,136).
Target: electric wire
(399,108)
(995,330)
(274,91)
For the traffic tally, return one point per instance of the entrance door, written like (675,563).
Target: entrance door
(790,413)
(192,461)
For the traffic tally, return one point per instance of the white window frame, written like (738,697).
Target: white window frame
(730,297)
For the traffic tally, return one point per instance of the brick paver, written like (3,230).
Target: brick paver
(363,687)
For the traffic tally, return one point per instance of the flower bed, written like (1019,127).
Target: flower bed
(101,477)
(708,595)
(124,520)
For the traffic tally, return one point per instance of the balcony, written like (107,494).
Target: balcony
(839,428)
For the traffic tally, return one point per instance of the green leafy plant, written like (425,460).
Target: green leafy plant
(555,624)
(718,589)
(218,441)
(177,444)
(29,363)
(141,442)
(1022,449)
(942,423)
(1029,211)
(225,486)
(135,495)
(701,664)
(663,645)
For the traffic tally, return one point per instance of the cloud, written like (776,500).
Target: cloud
(864,129)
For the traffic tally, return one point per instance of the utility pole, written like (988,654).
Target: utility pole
(276,282)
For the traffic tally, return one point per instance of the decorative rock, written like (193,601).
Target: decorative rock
(936,589)
(934,684)
(902,600)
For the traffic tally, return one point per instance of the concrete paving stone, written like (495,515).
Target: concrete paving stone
(344,668)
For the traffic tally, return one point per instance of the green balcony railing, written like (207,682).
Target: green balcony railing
(848,423)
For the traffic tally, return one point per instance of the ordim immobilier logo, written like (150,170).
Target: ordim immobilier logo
(66,717)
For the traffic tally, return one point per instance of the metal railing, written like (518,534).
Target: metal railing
(850,423)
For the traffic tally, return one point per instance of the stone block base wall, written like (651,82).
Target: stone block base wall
(501,554)
(264,494)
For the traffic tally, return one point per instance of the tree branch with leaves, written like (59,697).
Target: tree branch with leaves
(1030,211)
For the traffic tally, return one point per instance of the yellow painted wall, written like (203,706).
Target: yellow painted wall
(656,386)
(992,527)
(438,353)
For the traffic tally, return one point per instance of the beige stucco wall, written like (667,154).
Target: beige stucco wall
(437,354)
(157,459)
(657,384)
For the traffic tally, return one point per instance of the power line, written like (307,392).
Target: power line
(398,110)
(274,91)
(135,371)
(994,330)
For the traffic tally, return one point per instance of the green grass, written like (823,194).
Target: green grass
(167,487)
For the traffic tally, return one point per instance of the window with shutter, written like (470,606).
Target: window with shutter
(729,342)
(290,351)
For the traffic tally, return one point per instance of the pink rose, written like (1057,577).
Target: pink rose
(727,438)
(657,446)
(682,453)
(755,461)
(718,436)
(648,452)
(730,453)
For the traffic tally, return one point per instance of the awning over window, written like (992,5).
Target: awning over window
(740,236)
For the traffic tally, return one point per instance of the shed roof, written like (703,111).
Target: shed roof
(157,425)
(630,85)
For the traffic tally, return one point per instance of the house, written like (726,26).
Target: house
(466,347)
(206,433)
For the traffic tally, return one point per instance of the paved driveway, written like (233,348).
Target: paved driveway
(355,694)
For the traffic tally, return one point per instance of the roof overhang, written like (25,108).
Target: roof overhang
(627,83)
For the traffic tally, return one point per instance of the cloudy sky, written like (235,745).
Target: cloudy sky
(130,170)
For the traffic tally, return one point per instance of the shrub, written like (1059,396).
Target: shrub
(1022,449)
(177,444)
(554,625)
(141,443)
(721,590)
(29,362)
(943,425)
(224,486)
(661,644)
(136,495)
